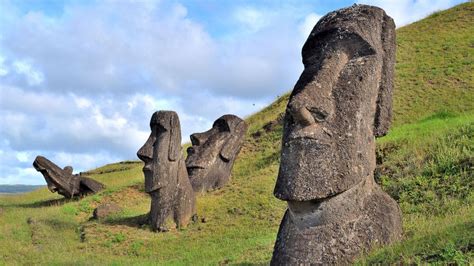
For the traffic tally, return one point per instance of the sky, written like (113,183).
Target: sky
(79,80)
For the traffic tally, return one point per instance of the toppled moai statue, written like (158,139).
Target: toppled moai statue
(63,181)
(166,178)
(213,153)
(341,102)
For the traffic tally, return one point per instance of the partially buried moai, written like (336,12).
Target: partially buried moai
(341,102)
(166,179)
(63,181)
(212,154)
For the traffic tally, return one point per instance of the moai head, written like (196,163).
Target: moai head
(162,151)
(340,103)
(58,180)
(212,155)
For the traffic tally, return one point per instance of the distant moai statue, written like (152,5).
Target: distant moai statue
(341,102)
(166,178)
(212,154)
(63,181)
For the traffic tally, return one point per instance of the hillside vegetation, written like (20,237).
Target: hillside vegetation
(425,162)
(434,67)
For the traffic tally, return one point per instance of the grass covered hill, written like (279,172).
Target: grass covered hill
(435,70)
(426,163)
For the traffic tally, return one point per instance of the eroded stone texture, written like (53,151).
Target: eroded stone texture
(63,181)
(341,102)
(212,155)
(166,178)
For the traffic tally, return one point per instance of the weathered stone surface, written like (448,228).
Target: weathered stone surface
(105,210)
(212,155)
(341,102)
(166,178)
(63,181)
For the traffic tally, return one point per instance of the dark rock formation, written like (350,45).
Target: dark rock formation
(63,181)
(341,102)
(105,210)
(166,178)
(213,153)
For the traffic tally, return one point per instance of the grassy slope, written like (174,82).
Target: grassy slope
(426,166)
(434,67)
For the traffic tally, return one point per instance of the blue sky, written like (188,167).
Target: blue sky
(79,80)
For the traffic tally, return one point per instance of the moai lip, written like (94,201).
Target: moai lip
(341,102)
(63,181)
(212,154)
(166,178)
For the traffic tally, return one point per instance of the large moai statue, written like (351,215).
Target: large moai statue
(63,181)
(212,155)
(341,102)
(166,178)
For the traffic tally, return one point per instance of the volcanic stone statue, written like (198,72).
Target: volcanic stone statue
(63,181)
(341,102)
(213,153)
(166,178)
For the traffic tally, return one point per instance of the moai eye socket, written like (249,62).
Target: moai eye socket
(160,128)
(222,125)
(318,115)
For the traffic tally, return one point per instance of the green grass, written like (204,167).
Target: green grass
(425,163)
(434,69)
(440,240)
(428,167)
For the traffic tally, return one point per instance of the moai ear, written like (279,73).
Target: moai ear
(383,113)
(231,147)
(174,150)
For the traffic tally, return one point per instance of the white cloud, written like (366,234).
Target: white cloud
(43,121)
(34,77)
(23,157)
(82,103)
(3,68)
(252,19)
(24,176)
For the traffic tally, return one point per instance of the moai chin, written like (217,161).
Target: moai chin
(212,155)
(166,179)
(63,181)
(341,102)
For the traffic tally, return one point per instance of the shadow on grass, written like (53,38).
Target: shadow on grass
(45,203)
(58,224)
(139,221)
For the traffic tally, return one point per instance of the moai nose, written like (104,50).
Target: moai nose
(197,139)
(303,116)
(145,153)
